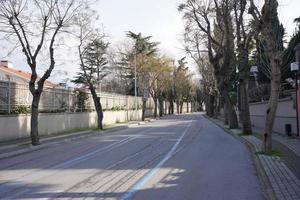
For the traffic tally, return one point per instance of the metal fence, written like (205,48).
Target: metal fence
(15,96)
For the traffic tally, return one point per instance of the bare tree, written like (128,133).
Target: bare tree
(220,42)
(36,25)
(93,58)
(267,24)
(159,70)
(194,42)
(209,86)
(244,35)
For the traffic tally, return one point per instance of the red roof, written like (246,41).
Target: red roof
(24,75)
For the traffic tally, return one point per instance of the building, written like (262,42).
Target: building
(10,74)
(14,91)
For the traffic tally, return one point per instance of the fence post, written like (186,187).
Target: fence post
(127,103)
(9,94)
(106,100)
(113,97)
(69,99)
(53,102)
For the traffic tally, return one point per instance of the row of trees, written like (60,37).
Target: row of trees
(39,28)
(226,37)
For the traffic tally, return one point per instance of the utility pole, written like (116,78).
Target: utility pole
(297,52)
(135,84)
(295,69)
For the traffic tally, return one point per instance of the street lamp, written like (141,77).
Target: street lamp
(135,81)
(297,52)
(295,69)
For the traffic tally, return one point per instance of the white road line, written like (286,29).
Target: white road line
(152,172)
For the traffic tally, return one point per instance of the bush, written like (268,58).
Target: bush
(81,102)
(22,110)
(117,108)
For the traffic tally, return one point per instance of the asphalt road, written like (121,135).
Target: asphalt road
(177,158)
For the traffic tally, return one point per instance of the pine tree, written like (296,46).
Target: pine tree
(93,69)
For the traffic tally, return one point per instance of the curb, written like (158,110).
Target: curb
(267,189)
(13,151)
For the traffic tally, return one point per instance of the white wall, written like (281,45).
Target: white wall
(286,114)
(18,126)
(15,127)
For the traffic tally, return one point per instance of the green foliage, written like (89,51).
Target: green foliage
(274,153)
(22,110)
(117,108)
(289,53)
(94,63)
(143,45)
(262,53)
(82,97)
(182,84)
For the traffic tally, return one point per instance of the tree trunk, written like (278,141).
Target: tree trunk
(181,106)
(144,109)
(232,117)
(187,107)
(178,107)
(245,112)
(98,107)
(272,105)
(171,105)
(244,69)
(209,105)
(155,107)
(226,118)
(161,106)
(34,132)
(274,49)
(217,106)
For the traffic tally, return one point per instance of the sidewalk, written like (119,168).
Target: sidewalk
(21,146)
(288,146)
(279,174)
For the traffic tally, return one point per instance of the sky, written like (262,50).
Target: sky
(160,20)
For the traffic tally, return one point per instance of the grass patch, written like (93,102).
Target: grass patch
(275,153)
(244,134)
(97,129)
